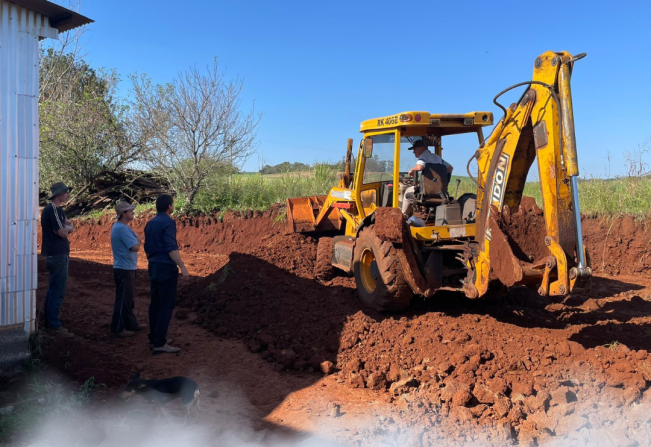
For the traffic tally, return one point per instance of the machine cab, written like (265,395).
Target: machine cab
(381,174)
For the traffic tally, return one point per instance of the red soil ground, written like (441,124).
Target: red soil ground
(272,347)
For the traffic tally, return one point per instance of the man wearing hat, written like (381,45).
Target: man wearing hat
(424,157)
(125,244)
(56,247)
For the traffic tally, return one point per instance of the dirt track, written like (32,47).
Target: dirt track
(256,329)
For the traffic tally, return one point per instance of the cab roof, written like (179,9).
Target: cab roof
(434,124)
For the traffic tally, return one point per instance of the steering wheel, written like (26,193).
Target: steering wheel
(405,179)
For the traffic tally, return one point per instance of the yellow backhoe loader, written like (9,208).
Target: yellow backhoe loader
(456,243)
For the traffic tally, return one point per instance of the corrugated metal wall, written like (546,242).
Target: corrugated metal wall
(20,30)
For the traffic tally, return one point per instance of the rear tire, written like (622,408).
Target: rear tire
(380,281)
(323,268)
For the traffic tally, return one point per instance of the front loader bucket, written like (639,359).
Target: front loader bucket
(302,213)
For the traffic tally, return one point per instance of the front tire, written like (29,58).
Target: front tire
(380,281)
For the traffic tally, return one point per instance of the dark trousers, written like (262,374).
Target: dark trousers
(163,279)
(58,268)
(123,317)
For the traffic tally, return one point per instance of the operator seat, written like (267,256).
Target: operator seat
(429,189)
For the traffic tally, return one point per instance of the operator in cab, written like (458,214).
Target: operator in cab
(424,157)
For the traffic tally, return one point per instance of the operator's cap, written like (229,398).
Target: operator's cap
(57,189)
(121,207)
(417,143)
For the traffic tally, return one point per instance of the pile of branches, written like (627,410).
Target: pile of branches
(108,188)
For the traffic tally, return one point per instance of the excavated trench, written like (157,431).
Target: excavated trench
(513,368)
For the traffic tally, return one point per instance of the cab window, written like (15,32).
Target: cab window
(379,167)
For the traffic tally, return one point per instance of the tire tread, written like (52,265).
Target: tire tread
(392,293)
(323,268)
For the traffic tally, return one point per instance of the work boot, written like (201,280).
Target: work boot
(63,332)
(166,349)
(124,334)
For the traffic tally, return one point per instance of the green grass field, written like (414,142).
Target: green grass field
(597,197)
(611,197)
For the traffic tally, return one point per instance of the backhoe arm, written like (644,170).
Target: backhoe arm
(540,126)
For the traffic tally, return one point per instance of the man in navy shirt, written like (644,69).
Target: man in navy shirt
(56,247)
(125,244)
(164,261)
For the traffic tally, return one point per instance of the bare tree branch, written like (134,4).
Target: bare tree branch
(196,126)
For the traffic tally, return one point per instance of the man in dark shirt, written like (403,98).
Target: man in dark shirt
(56,247)
(164,261)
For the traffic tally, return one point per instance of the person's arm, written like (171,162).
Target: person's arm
(128,238)
(62,232)
(145,244)
(138,239)
(176,257)
(169,239)
(450,168)
(57,225)
(68,225)
(417,167)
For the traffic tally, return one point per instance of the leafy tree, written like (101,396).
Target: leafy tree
(84,129)
(374,164)
(285,167)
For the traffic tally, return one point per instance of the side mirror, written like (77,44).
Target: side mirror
(368,147)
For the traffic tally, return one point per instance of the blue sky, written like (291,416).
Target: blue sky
(317,69)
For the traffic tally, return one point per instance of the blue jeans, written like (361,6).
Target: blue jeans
(58,268)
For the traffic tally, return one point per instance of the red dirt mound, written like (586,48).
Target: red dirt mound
(618,246)
(269,299)
(530,384)
(203,234)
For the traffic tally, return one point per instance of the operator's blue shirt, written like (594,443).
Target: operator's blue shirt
(122,239)
(160,239)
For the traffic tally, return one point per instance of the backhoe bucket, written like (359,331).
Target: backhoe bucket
(505,265)
(302,213)
(519,253)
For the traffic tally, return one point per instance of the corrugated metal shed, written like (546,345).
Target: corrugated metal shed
(22,24)
(59,17)
(20,30)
